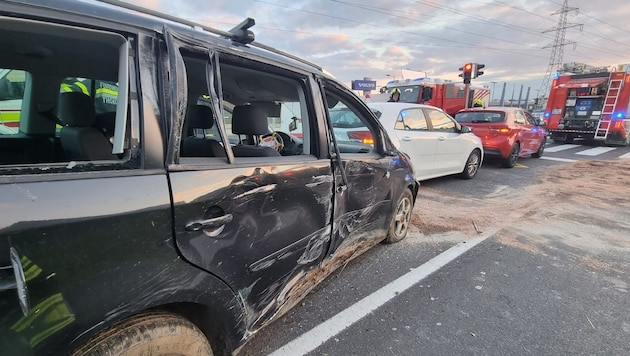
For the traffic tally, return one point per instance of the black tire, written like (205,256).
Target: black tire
(158,333)
(472,165)
(541,149)
(563,139)
(399,225)
(512,158)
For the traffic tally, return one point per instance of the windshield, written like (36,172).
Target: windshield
(480,116)
(408,94)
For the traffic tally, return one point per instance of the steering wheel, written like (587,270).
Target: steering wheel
(273,140)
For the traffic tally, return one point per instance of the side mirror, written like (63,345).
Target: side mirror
(465,129)
(542,122)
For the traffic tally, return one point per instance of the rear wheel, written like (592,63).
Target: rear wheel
(472,165)
(541,149)
(563,139)
(511,159)
(401,218)
(157,333)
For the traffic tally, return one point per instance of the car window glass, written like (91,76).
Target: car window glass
(479,117)
(530,119)
(73,115)
(411,119)
(352,133)
(440,121)
(12,83)
(200,134)
(264,115)
(519,118)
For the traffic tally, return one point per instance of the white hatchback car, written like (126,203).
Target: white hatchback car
(437,144)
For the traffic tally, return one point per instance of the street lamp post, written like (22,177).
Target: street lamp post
(415,70)
(390,75)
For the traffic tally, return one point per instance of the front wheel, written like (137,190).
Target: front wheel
(401,218)
(472,165)
(511,159)
(541,149)
(158,334)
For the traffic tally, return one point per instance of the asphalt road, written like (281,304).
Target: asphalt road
(542,294)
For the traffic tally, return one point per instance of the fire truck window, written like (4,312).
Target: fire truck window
(409,94)
(411,119)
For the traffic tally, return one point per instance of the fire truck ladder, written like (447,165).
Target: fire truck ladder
(610,102)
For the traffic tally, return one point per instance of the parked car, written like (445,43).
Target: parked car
(437,144)
(506,132)
(185,217)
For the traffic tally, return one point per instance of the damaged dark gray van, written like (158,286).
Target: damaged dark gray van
(169,186)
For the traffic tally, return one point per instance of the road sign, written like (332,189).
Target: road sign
(363,85)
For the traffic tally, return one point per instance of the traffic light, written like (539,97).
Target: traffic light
(466,73)
(477,69)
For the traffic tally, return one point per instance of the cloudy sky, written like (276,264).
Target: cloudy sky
(383,39)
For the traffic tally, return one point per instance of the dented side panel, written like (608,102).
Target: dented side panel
(279,227)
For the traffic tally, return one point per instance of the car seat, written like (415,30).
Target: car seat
(251,121)
(80,140)
(199,120)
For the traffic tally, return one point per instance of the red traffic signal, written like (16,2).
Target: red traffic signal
(467,70)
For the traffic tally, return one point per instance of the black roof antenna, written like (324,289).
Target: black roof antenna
(241,33)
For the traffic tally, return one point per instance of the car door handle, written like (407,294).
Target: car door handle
(441,138)
(209,223)
(406,138)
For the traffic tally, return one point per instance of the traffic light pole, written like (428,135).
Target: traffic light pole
(466,95)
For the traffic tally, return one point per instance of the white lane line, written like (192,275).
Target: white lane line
(559,148)
(314,338)
(595,151)
(626,156)
(559,159)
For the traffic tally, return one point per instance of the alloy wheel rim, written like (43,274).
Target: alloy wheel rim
(473,165)
(403,216)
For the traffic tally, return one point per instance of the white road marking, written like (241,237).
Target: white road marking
(559,159)
(314,338)
(596,151)
(626,156)
(559,148)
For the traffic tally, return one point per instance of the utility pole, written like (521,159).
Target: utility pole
(555,61)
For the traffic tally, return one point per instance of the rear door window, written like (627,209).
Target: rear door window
(440,121)
(411,119)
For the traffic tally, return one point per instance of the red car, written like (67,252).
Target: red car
(505,132)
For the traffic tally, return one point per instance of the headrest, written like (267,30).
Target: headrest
(198,117)
(249,120)
(76,109)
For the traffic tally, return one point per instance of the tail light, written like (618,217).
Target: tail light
(361,136)
(502,130)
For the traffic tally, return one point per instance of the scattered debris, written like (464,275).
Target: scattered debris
(479,231)
(590,322)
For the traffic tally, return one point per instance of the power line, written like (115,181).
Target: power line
(465,44)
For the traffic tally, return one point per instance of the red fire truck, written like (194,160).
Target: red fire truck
(447,95)
(592,106)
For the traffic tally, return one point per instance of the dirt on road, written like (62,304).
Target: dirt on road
(585,205)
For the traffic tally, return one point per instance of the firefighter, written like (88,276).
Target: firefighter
(477,103)
(106,93)
(395,96)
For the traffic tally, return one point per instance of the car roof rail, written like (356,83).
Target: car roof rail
(239,33)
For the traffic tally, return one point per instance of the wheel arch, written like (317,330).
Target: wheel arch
(215,310)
